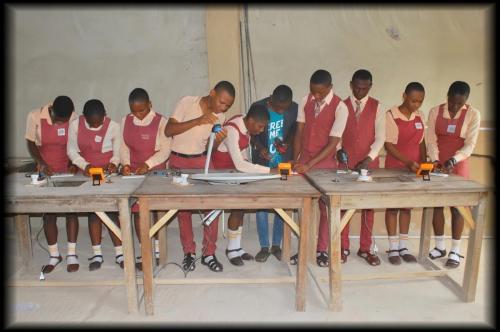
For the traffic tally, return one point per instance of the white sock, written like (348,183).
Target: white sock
(54,252)
(455,245)
(403,243)
(157,248)
(97,251)
(234,242)
(71,251)
(393,245)
(119,254)
(240,252)
(439,240)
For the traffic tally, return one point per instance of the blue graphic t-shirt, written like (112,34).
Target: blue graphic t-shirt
(275,129)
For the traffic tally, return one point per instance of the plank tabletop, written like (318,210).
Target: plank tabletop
(19,187)
(389,181)
(295,185)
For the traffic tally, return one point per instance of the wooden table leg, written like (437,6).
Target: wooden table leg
(300,288)
(425,234)
(147,257)
(474,251)
(313,233)
(23,233)
(287,237)
(334,255)
(128,254)
(162,239)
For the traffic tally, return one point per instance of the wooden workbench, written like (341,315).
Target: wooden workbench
(400,189)
(23,198)
(160,193)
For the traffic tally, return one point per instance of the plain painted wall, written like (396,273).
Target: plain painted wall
(434,46)
(103,53)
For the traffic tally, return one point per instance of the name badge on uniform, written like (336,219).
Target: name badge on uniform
(418,125)
(451,129)
(98,139)
(145,137)
(61,132)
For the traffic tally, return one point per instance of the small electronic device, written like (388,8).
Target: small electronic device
(281,147)
(97,175)
(285,169)
(424,171)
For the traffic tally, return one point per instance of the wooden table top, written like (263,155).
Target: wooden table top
(295,185)
(390,181)
(19,187)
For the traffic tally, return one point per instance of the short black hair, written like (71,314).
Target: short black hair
(93,107)
(459,88)
(225,86)
(414,86)
(258,112)
(282,94)
(138,95)
(362,74)
(63,107)
(322,77)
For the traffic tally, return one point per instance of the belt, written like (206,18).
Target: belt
(182,155)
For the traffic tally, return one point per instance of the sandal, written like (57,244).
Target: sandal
(49,267)
(451,262)
(72,267)
(237,260)
(395,260)
(119,263)
(213,264)
(409,258)
(188,262)
(439,253)
(294,259)
(371,259)
(246,256)
(138,264)
(95,264)
(322,258)
(343,255)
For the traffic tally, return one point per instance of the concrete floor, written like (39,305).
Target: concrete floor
(417,302)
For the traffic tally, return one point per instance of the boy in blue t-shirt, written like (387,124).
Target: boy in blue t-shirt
(270,148)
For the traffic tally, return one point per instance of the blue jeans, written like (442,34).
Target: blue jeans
(263,229)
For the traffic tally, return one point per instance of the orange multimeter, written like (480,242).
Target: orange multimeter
(285,169)
(97,174)
(424,170)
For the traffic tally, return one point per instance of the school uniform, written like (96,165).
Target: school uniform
(406,135)
(144,141)
(364,136)
(50,138)
(320,122)
(453,138)
(189,152)
(95,146)
(231,153)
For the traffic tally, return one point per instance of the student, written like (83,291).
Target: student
(282,123)
(231,154)
(190,126)
(452,133)
(94,141)
(143,147)
(47,137)
(405,147)
(321,121)
(363,137)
